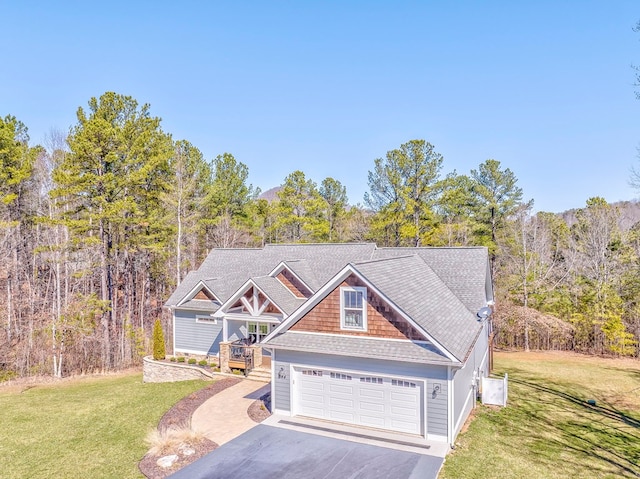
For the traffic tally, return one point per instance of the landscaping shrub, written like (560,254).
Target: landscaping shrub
(173,359)
(181,359)
(192,360)
(203,362)
(159,351)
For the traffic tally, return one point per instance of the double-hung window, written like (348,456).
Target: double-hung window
(257,331)
(353,308)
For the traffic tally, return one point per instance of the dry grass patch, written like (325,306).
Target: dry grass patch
(167,441)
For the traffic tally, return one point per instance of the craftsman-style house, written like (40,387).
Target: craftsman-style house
(388,338)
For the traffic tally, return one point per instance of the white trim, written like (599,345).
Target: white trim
(333,284)
(363,309)
(194,291)
(239,295)
(259,319)
(450,397)
(206,319)
(173,332)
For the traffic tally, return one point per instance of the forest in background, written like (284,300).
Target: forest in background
(99,225)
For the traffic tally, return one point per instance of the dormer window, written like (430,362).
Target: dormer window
(353,308)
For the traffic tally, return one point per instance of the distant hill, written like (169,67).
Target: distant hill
(629,214)
(271,194)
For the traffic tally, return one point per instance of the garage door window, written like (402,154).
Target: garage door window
(311,372)
(345,377)
(353,311)
(370,380)
(403,384)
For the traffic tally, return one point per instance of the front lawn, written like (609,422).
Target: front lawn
(92,427)
(548,430)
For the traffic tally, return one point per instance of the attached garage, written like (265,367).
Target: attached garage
(383,402)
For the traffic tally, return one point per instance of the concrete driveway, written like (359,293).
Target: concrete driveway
(271,452)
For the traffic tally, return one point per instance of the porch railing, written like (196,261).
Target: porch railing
(241,356)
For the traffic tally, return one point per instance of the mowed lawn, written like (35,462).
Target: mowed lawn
(91,427)
(548,430)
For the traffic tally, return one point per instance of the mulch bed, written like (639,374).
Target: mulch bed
(260,409)
(180,416)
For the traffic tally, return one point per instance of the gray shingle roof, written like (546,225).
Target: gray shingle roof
(463,270)
(225,270)
(441,289)
(279,294)
(355,346)
(419,292)
(200,305)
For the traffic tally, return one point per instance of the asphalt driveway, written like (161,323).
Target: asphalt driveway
(271,452)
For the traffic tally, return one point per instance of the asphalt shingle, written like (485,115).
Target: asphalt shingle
(356,346)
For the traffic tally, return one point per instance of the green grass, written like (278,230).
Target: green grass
(92,427)
(548,430)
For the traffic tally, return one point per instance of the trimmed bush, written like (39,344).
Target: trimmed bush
(192,360)
(159,351)
(203,362)
(181,359)
(173,359)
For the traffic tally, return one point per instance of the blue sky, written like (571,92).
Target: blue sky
(326,87)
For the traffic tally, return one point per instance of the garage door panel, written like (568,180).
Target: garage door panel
(377,394)
(403,411)
(341,402)
(343,416)
(311,385)
(340,389)
(372,421)
(405,426)
(371,406)
(385,403)
(402,397)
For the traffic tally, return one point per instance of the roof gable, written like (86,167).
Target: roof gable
(413,287)
(261,295)
(331,286)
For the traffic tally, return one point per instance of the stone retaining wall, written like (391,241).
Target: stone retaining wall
(161,372)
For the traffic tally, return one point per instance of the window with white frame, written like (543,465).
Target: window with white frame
(353,308)
(206,319)
(257,331)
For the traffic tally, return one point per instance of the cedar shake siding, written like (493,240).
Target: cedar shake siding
(293,285)
(203,295)
(382,321)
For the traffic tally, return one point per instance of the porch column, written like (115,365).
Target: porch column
(225,351)
(257,355)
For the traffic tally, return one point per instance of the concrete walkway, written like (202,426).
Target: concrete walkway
(224,417)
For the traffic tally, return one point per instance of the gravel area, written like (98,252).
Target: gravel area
(180,416)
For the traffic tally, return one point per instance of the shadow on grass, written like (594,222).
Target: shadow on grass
(557,422)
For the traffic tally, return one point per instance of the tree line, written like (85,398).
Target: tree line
(99,225)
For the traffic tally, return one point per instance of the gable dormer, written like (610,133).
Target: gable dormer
(202,296)
(291,281)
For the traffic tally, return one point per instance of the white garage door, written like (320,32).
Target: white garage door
(367,400)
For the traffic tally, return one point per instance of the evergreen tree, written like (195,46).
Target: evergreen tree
(159,351)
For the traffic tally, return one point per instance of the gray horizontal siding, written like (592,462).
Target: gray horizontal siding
(190,335)
(236,330)
(281,386)
(437,410)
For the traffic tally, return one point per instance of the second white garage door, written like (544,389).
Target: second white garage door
(367,400)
